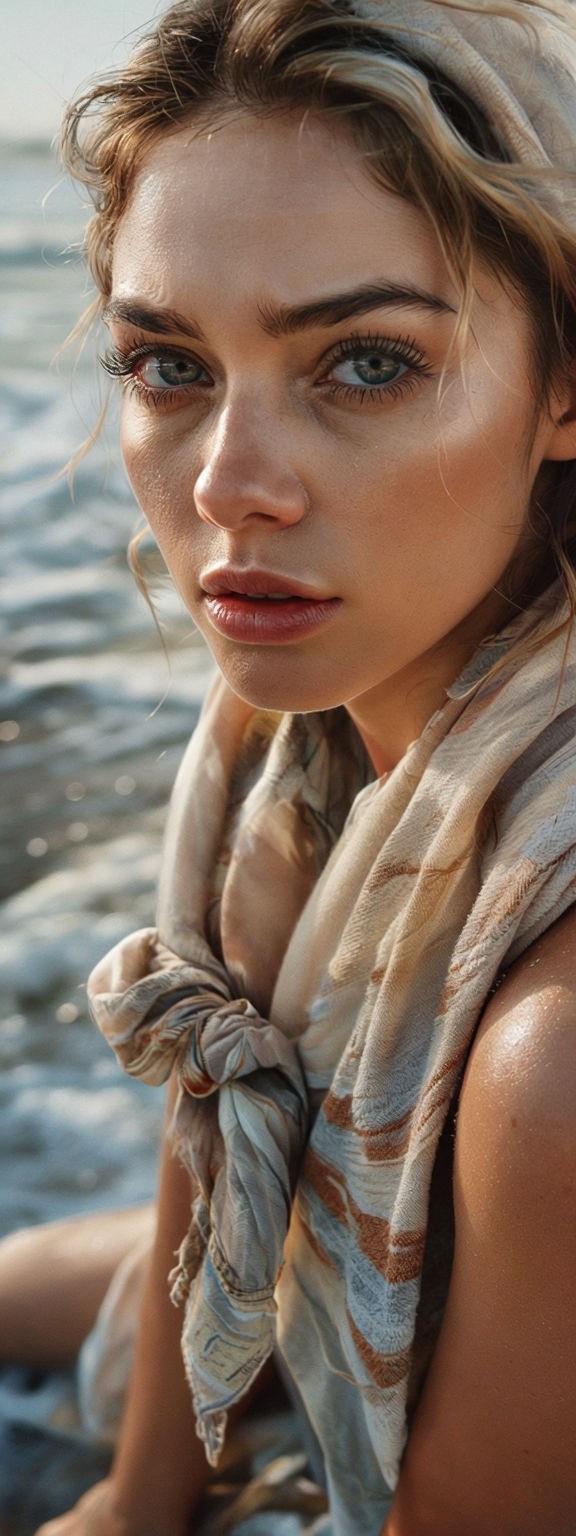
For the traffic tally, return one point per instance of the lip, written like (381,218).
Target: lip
(234,601)
(254,582)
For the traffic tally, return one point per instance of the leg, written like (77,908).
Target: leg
(160,1471)
(53,1279)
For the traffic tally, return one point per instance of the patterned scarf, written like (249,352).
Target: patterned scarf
(325,946)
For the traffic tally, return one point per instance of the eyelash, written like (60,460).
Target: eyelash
(122,364)
(399,349)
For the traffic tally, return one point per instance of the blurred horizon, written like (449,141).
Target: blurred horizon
(49,51)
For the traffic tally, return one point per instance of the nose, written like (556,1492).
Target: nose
(248,471)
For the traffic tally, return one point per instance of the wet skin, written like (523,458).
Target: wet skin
(320,451)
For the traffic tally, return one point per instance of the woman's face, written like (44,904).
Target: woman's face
(337,525)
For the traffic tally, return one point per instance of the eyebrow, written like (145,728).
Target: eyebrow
(159,321)
(279,320)
(285,320)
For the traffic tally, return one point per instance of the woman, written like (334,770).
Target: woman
(334,245)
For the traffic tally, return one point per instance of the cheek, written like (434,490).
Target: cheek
(450,506)
(482,455)
(139,452)
(155,467)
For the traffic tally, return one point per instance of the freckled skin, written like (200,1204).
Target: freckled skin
(407,507)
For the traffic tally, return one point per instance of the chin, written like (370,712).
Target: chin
(284,688)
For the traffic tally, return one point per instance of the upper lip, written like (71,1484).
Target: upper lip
(256,583)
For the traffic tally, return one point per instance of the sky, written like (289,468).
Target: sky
(48,48)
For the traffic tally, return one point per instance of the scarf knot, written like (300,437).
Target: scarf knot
(240,1127)
(184,1016)
(227,1041)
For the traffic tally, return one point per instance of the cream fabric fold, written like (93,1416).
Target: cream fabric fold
(521,73)
(243,849)
(325,947)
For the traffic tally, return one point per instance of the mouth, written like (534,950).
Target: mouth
(255,583)
(263,608)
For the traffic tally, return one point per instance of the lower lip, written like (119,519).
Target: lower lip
(268,623)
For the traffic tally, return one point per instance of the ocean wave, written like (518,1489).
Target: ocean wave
(88,756)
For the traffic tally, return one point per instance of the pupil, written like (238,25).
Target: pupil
(173,371)
(376,367)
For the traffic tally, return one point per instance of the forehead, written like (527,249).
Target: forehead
(283,201)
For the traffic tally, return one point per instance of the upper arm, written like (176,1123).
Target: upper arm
(492,1448)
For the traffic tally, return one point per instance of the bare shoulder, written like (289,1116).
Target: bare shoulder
(492,1446)
(520,1085)
(515,1149)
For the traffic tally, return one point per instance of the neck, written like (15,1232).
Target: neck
(388,719)
(392,715)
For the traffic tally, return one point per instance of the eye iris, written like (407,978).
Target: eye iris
(373,367)
(376,369)
(171,371)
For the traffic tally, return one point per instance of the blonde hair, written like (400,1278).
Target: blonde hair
(419,133)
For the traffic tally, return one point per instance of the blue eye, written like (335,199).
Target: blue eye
(374,369)
(157,372)
(157,377)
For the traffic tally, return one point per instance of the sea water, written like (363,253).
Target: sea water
(93,721)
(92,724)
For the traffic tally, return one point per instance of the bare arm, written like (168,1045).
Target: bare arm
(492,1447)
(54,1277)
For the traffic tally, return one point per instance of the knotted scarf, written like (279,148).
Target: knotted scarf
(326,943)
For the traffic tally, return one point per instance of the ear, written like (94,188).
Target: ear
(561,441)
